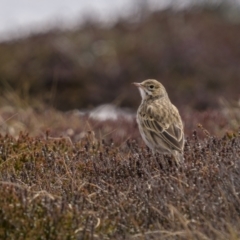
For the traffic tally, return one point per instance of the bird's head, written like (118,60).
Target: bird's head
(151,89)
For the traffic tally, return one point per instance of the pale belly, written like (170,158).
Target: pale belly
(158,145)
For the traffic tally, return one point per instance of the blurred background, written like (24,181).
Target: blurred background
(81,54)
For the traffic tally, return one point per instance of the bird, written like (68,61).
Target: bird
(159,122)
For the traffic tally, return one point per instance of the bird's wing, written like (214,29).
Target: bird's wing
(169,131)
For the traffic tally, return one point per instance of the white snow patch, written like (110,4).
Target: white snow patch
(110,112)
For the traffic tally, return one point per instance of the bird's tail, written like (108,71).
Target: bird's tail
(179,158)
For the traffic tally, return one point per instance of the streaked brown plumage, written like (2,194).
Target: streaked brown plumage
(159,122)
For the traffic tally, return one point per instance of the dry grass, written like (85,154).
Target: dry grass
(108,185)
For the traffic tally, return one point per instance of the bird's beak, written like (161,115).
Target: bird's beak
(137,84)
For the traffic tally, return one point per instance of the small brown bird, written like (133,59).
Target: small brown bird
(159,122)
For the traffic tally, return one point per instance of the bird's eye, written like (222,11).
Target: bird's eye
(151,86)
